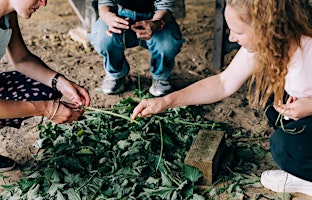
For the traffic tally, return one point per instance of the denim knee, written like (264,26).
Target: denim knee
(167,42)
(99,38)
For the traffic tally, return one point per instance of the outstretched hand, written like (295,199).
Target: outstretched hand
(147,107)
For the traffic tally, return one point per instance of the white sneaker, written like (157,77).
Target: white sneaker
(281,181)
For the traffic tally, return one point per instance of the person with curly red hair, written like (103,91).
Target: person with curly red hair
(275,56)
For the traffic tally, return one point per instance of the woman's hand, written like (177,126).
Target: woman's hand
(147,107)
(77,95)
(296,108)
(63,112)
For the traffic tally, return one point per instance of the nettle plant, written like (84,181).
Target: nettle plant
(106,155)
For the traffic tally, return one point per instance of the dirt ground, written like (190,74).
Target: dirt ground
(46,35)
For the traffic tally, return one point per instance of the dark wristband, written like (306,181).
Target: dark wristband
(54,80)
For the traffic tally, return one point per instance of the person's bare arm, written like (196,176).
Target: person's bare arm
(32,66)
(205,91)
(17,109)
(23,60)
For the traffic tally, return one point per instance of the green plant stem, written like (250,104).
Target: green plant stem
(110,113)
(189,123)
(139,68)
(161,145)
(78,189)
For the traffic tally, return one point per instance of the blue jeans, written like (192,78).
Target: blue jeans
(163,46)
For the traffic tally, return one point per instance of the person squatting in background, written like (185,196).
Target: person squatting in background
(124,24)
(34,89)
(275,56)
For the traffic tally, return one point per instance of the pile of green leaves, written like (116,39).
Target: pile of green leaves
(105,156)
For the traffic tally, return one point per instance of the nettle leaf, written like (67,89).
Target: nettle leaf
(162,192)
(165,180)
(59,140)
(122,144)
(39,143)
(152,180)
(84,151)
(134,136)
(52,175)
(72,195)
(191,173)
(198,197)
(131,152)
(33,192)
(72,179)
(59,196)
(54,188)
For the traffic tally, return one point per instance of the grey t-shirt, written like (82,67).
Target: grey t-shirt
(5,34)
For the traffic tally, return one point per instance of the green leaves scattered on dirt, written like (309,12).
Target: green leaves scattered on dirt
(104,156)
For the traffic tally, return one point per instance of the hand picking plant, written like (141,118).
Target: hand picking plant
(105,155)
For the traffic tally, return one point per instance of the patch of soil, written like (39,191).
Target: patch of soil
(46,35)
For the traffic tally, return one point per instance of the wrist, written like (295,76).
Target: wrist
(54,81)
(160,24)
(54,108)
(42,108)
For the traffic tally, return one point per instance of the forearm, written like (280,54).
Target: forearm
(206,91)
(104,10)
(17,109)
(33,67)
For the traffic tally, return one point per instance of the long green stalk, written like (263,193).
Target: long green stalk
(109,113)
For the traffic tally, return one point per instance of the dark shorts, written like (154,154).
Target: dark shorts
(16,86)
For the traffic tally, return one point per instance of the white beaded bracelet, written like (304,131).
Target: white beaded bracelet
(57,101)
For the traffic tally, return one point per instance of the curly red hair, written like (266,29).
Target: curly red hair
(279,25)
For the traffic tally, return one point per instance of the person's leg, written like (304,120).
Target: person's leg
(290,148)
(18,87)
(112,49)
(164,46)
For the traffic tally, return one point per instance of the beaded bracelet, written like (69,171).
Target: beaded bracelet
(57,101)
(54,80)
(51,110)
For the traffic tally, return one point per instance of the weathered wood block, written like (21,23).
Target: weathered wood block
(80,35)
(205,154)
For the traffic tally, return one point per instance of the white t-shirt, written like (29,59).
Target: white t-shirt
(299,77)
